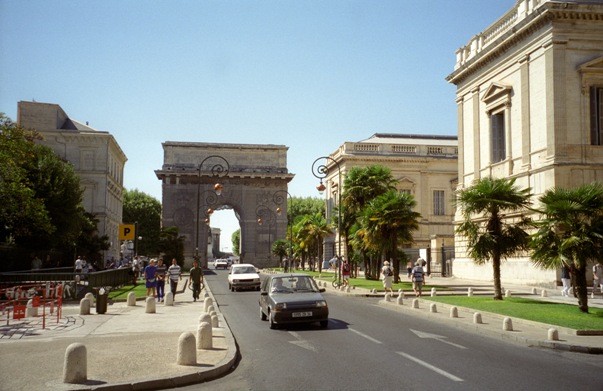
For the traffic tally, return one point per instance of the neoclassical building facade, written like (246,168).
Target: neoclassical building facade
(96,157)
(530,107)
(424,166)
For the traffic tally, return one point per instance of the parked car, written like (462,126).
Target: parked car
(221,263)
(243,276)
(292,298)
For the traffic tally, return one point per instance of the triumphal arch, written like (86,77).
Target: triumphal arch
(200,178)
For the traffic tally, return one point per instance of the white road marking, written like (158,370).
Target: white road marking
(302,343)
(365,336)
(429,366)
(422,334)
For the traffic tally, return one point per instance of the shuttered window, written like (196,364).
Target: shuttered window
(438,203)
(596,115)
(497,132)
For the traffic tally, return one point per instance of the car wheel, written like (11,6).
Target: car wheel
(263,315)
(324,324)
(271,319)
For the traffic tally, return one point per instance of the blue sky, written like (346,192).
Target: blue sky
(307,74)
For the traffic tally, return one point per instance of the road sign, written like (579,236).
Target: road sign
(127,231)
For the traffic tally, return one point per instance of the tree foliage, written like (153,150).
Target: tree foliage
(145,211)
(171,245)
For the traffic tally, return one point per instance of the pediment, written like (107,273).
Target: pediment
(592,66)
(496,91)
(406,181)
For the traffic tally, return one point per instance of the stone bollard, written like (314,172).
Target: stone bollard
(187,349)
(553,335)
(30,310)
(210,309)
(507,293)
(348,288)
(388,297)
(150,306)
(454,312)
(544,293)
(374,291)
(205,317)
(75,366)
(401,294)
(131,299)
(84,306)
(204,336)
(169,299)
(469,292)
(206,303)
(415,303)
(477,318)
(433,292)
(215,322)
(433,308)
(90,297)
(507,324)
(534,291)
(592,295)
(400,299)
(400,291)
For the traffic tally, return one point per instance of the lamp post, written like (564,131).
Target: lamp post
(218,169)
(321,171)
(266,216)
(278,199)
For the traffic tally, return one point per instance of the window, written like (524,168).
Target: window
(596,115)
(405,191)
(438,203)
(497,132)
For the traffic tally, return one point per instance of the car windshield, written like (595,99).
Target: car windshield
(243,270)
(293,284)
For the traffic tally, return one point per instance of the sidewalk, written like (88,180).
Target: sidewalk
(127,349)
(523,331)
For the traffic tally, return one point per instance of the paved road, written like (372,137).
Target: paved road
(368,346)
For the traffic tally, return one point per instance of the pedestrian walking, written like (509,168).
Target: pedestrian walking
(150,277)
(418,277)
(345,272)
(196,275)
(597,277)
(175,275)
(566,279)
(161,271)
(388,275)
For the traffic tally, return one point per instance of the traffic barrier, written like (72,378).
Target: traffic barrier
(150,305)
(433,308)
(206,303)
(507,324)
(214,320)
(187,349)
(553,334)
(400,299)
(75,366)
(454,312)
(415,303)
(85,306)
(131,299)
(169,299)
(433,292)
(388,297)
(204,336)
(477,318)
(205,317)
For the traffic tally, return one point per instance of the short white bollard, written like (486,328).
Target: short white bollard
(534,291)
(150,305)
(131,299)
(187,349)
(30,310)
(433,292)
(401,294)
(415,303)
(469,292)
(454,312)
(507,324)
(204,336)
(75,365)
(215,322)
(388,297)
(507,293)
(553,335)
(205,317)
(348,288)
(433,308)
(477,318)
(374,291)
(210,309)
(544,293)
(90,297)
(169,299)
(206,303)
(84,306)
(400,299)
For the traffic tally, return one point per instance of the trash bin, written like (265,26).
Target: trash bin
(101,301)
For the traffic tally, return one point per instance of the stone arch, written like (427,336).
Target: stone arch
(252,176)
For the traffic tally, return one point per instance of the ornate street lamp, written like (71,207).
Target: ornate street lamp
(280,197)
(218,169)
(321,171)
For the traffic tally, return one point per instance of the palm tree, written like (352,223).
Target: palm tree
(389,220)
(571,231)
(311,232)
(492,235)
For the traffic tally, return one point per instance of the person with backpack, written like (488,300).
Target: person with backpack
(418,277)
(388,275)
(345,272)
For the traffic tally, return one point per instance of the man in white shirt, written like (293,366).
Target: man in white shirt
(175,275)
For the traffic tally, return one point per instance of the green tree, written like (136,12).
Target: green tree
(492,234)
(171,245)
(388,222)
(280,248)
(236,242)
(311,231)
(145,211)
(89,243)
(570,232)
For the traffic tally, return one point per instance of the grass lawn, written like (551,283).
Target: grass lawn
(564,315)
(122,293)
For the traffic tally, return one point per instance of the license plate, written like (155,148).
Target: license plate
(301,314)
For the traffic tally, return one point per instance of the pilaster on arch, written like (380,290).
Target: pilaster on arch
(251,175)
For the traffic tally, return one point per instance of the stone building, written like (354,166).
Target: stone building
(424,165)
(96,158)
(530,107)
